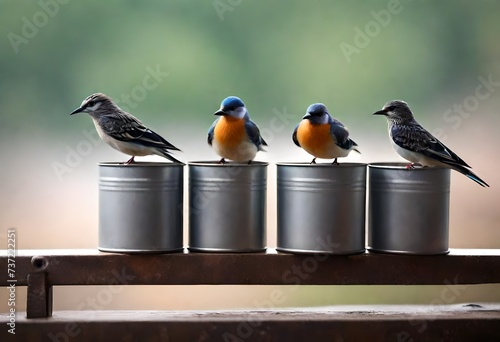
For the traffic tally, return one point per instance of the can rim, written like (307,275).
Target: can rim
(319,251)
(139,164)
(225,250)
(140,251)
(305,164)
(402,166)
(376,250)
(215,163)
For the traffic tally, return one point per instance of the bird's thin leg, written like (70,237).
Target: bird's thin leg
(313,161)
(410,166)
(222,161)
(335,162)
(130,161)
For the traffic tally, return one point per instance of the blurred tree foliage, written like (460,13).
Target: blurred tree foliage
(272,54)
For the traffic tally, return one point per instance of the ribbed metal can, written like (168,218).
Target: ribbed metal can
(140,207)
(227,207)
(408,210)
(321,208)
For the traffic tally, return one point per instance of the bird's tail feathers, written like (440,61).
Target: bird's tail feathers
(355,146)
(466,172)
(152,139)
(165,153)
(169,145)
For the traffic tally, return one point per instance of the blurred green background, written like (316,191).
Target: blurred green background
(171,63)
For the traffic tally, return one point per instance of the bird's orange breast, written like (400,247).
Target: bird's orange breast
(314,138)
(229,131)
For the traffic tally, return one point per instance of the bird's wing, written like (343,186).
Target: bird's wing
(211,130)
(254,134)
(341,134)
(294,136)
(128,128)
(415,138)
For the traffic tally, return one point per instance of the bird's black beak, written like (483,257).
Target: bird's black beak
(78,110)
(307,116)
(380,112)
(220,112)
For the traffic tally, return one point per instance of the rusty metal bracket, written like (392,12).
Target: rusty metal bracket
(39,303)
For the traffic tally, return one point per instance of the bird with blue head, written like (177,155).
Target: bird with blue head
(233,135)
(323,136)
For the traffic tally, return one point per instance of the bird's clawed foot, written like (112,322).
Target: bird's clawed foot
(410,166)
(130,161)
(335,162)
(222,161)
(313,161)
(250,162)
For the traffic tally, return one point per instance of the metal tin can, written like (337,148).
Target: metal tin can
(321,208)
(140,207)
(408,209)
(227,207)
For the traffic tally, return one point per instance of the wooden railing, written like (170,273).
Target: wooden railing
(41,270)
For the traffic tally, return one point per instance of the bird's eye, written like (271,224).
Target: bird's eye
(233,108)
(390,108)
(90,104)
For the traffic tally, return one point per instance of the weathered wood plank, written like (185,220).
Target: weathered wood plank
(376,323)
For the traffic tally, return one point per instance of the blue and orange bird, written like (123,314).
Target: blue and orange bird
(323,136)
(233,135)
